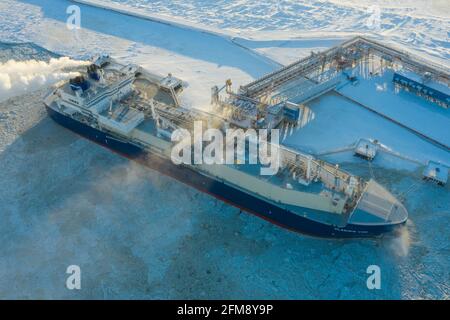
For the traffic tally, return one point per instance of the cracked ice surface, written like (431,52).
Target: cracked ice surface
(138,234)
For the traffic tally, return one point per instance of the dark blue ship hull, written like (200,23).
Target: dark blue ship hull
(222,191)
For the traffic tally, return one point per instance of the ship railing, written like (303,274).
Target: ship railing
(312,169)
(413,60)
(301,67)
(294,69)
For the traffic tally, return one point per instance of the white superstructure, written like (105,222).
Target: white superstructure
(108,82)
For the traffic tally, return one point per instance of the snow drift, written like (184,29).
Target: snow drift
(19,77)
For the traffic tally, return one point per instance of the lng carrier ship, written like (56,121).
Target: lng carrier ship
(134,112)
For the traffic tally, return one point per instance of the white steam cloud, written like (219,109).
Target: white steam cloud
(19,77)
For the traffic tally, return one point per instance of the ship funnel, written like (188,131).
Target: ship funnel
(79,83)
(93,72)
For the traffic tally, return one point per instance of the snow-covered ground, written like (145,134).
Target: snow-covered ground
(420,25)
(23,52)
(304,16)
(337,122)
(414,111)
(201,59)
(68,201)
(347,121)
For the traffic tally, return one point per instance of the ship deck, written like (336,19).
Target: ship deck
(147,130)
(121,113)
(283,178)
